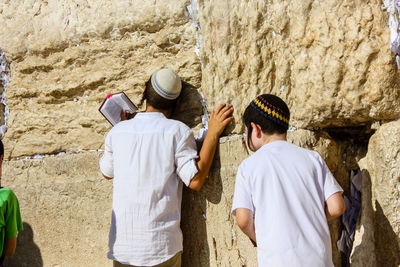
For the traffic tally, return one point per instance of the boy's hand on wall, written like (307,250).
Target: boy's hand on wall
(219,119)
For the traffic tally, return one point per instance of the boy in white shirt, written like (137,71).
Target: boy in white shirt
(284,194)
(149,157)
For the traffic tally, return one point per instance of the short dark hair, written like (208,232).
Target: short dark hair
(268,126)
(1,148)
(157,101)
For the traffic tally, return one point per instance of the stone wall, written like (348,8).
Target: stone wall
(330,60)
(68,55)
(66,210)
(379,228)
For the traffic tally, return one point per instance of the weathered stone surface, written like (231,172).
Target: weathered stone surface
(330,60)
(381,212)
(66,209)
(66,57)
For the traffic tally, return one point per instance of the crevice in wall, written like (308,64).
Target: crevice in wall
(193,10)
(215,249)
(356,140)
(58,154)
(5,79)
(356,135)
(393,9)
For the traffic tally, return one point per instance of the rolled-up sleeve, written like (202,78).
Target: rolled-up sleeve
(185,157)
(106,161)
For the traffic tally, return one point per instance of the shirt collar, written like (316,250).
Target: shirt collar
(274,144)
(150,114)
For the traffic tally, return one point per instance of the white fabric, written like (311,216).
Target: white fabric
(146,156)
(166,83)
(286,187)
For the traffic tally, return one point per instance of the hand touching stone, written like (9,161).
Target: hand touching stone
(219,119)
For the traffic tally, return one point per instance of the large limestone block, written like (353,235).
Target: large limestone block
(66,56)
(211,235)
(382,168)
(330,60)
(66,210)
(37,27)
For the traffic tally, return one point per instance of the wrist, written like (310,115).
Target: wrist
(212,136)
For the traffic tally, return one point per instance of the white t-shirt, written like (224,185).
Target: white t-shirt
(148,156)
(286,187)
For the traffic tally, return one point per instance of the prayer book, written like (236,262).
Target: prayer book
(113,105)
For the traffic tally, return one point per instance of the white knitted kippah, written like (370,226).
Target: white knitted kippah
(166,83)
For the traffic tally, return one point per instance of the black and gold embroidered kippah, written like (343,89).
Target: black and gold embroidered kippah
(270,111)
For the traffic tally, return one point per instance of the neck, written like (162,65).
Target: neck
(274,137)
(152,109)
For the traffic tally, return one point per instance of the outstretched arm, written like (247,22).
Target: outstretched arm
(10,246)
(245,220)
(334,206)
(219,119)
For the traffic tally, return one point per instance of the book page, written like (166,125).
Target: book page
(112,111)
(124,102)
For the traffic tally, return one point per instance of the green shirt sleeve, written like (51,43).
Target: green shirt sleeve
(13,217)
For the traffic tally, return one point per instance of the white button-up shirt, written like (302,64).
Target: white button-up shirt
(148,156)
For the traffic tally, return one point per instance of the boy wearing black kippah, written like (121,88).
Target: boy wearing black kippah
(284,194)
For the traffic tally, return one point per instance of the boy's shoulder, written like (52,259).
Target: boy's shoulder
(290,149)
(293,148)
(6,191)
(177,123)
(6,194)
(179,129)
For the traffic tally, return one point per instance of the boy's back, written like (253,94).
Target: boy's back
(150,155)
(286,187)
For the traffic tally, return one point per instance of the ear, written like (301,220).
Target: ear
(256,129)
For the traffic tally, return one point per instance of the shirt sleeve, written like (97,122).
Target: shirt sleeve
(242,196)
(185,158)
(106,161)
(13,217)
(331,186)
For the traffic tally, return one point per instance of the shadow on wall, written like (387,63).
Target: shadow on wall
(27,252)
(196,251)
(386,241)
(193,224)
(379,239)
(189,110)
